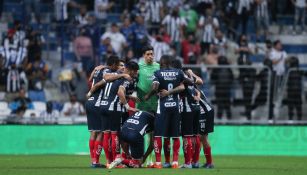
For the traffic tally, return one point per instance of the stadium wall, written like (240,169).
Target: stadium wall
(226,140)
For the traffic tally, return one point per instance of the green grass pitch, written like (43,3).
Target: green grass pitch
(79,165)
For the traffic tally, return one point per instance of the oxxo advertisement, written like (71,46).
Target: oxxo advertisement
(226,140)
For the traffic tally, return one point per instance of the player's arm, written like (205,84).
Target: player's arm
(133,98)
(198,80)
(95,69)
(150,147)
(197,96)
(176,90)
(111,77)
(153,91)
(122,97)
(94,88)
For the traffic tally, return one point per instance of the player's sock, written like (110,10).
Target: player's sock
(106,146)
(176,147)
(187,147)
(196,149)
(207,152)
(92,146)
(157,148)
(115,145)
(97,151)
(167,149)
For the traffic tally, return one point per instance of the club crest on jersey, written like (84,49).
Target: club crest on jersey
(170,104)
(104,103)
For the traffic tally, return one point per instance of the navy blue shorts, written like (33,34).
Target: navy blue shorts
(135,141)
(111,120)
(125,116)
(206,122)
(93,115)
(167,123)
(190,123)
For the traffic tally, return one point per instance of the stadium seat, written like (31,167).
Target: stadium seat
(4,109)
(31,113)
(39,106)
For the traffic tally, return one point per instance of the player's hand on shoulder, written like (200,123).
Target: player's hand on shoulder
(88,95)
(127,77)
(163,93)
(146,97)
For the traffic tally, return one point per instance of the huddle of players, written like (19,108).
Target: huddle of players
(183,110)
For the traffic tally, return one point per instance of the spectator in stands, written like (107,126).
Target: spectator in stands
(262,17)
(3,74)
(300,14)
(32,11)
(51,115)
(82,18)
(220,42)
(229,17)
(278,57)
(243,49)
(208,24)
(105,50)
(264,78)
(222,79)
(246,75)
(19,34)
(93,31)
(37,74)
(175,28)
(101,8)
(190,50)
(20,104)
(140,34)
(61,9)
(130,56)
(203,5)
(84,52)
(160,47)
(118,40)
(191,18)
(155,14)
(78,84)
(127,31)
(243,12)
(36,41)
(141,9)
(295,89)
(212,56)
(73,107)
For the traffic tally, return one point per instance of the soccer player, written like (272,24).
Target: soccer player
(112,104)
(147,69)
(132,133)
(206,126)
(189,116)
(99,77)
(167,123)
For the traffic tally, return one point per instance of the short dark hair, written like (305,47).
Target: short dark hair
(166,60)
(131,65)
(122,60)
(276,42)
(146,48)
(176,63)
(112,60)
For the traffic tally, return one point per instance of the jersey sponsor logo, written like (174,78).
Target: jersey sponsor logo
(169,75)
(133,121)
(170,104)
(104,103)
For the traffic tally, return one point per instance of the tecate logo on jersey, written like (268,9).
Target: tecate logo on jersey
(104,103)
(170,104)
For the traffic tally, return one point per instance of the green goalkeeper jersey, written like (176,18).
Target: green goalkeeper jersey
(144,85)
